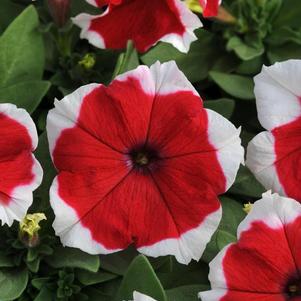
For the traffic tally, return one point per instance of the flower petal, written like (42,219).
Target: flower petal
(210,7)
(141,297)
(172,22)
(20,171)
(278,92)
(260,264)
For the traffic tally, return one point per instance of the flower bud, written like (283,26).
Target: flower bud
(88,61)
(59,10)
(29,229)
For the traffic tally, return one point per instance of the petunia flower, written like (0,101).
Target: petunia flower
(140,162)
(141,297)
(143,22)
(274,156)
(20,172)
(210,7)
(265,263)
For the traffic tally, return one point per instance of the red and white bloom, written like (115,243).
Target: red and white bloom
(140,162)
(265,263)
(141,297)
(210,7)
(274,156)
(143,22)
(20,172)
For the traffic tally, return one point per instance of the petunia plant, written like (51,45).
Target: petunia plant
(150,150)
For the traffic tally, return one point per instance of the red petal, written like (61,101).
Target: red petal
(210,7)
(288,157)
(261,261)
(155,19)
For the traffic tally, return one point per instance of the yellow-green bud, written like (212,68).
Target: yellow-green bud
(247,207)
(29,229)
(88,61)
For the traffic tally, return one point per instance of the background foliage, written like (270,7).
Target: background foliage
(39,62)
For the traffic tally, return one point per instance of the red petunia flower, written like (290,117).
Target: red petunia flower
(210,7)
(140,162)
(265,263)
(20,172)
(274,156)
(143,22)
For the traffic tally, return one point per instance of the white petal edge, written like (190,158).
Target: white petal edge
(69,228)
(272,209)
(217,278)
(162,79)
(278,92)
(23,118)
(21,197)
(92,2)
(224,137)
(83,21)
(182,42)
(189,245)
(65,113)
(141,297)
(261,161)
(191,22)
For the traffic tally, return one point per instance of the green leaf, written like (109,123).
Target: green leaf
(21,49)
(73,258)
(42,193)
(12,284)
(235,85)
(196,63)
(118,263)
(26,95)
(289,14)
(223,106)
(127,61)
(186,293)
(283,53)
(88,278)
(233,214)
(44,295)
(141,277)
(246,184)
(244,51)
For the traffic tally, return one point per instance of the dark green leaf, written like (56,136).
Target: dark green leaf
(21,50)
(42,193)
(12,284)
(26,95)
(223,106)
(73,258)
(235,85)
(185,293)
(6,261)
(233,214)
(246,184)
(89,278)
(196,63)
(141,277)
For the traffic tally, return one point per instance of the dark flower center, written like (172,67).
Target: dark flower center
(143,157)
(293,288)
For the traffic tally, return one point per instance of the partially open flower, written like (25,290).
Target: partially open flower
(265,263)
(210,7)
(140,162)
(20,172)
(143,22)
(274,156)
(29,228)
(59,10)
